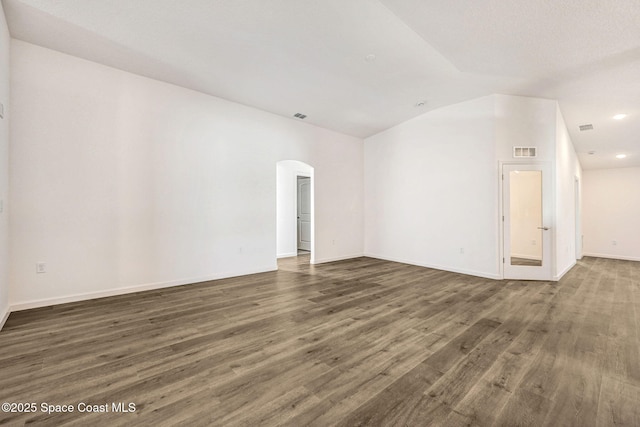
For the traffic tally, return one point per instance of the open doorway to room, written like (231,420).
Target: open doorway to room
(295,210)
(303,204)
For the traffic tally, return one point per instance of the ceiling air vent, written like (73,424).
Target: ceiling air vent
(586,127)
(299,116)
(519,152)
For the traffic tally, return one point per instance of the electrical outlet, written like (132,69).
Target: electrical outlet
(533,243)
(41,267)
(614,242)
(461,250)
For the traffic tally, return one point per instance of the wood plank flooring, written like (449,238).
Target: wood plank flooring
(350,343)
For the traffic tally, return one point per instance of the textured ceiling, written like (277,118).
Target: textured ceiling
(289,56)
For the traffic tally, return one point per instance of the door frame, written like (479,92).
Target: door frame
(297,177)
(548,206)
(297,174)
(286,175)
(578,217)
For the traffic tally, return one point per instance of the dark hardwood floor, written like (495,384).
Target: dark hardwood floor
(357,342)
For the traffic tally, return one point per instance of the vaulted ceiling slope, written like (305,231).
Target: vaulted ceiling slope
(362,66)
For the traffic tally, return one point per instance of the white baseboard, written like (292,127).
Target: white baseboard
(287,255)
(565,271)
(339,258)
(127,290)
(609,256)
(438,267)
(4,318)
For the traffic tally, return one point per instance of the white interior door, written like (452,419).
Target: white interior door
(304,213)
(527,222)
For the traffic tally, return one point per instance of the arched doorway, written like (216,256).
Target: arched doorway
(294,209)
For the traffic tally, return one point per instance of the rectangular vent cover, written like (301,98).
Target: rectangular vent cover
(300,116)
(519,152)
(586,127)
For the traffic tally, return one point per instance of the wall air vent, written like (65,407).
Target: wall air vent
(299,116)
(519,152)
(586,127)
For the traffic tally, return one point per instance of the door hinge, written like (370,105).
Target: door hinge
(502,218)
(503,177)
(503,260)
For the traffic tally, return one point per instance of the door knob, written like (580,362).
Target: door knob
(543,228)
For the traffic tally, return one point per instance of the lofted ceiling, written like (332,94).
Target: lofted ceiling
(362,66)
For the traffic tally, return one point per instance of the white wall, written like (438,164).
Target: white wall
(432,194)
(527,122)
(611,212)
(533,122)
(120,182)
(568,170)
(286,211)
(431,190)
(530,122)
(4,168)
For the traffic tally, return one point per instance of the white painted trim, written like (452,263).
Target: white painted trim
(4,318)
(609,256)
(287,255)
(339,258)
(121,291)
(501,256)
(565,271)
(299,174)
(438,267)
